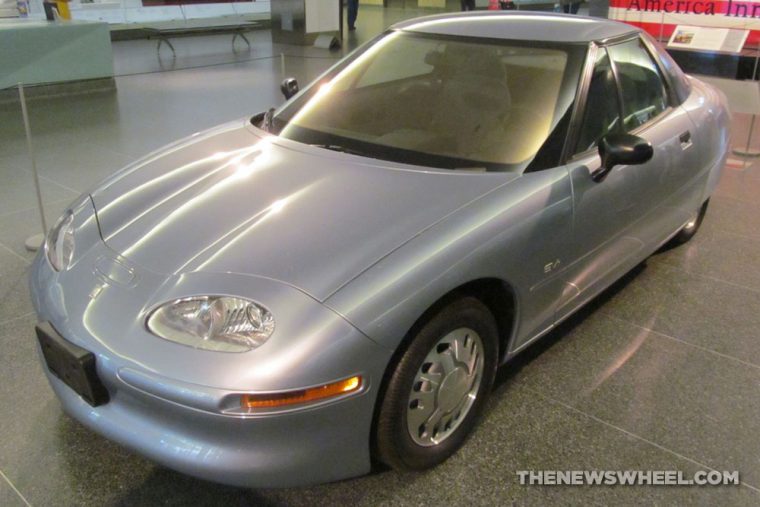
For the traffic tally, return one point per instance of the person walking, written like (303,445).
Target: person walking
(468,5)
(571,6)
(353,11)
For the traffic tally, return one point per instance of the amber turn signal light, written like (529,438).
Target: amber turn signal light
(275,400)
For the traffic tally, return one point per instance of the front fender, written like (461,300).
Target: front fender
(507,235)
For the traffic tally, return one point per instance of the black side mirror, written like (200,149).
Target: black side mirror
(622,149)
(289,87)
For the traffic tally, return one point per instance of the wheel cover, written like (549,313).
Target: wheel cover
(445,387)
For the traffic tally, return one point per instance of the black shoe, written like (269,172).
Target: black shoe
(351,28)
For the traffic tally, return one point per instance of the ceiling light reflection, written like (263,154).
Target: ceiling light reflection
(494,18)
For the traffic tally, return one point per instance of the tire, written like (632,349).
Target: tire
(458,348)
(690,229)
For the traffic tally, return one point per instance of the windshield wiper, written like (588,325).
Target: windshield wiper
(339,148)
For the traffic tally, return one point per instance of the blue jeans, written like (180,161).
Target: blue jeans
(353,9)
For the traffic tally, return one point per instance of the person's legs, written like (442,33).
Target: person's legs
(566,8)
(574,7)
(468,5)
(353,11)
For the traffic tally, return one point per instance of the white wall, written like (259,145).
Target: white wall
(132,11)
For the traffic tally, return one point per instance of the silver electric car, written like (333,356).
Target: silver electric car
(284,299)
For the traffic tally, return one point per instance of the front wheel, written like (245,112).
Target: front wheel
(692,226)
(438,387)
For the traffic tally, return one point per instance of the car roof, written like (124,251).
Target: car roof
(519,25)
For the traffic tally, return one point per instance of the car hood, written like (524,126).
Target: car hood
(235,200)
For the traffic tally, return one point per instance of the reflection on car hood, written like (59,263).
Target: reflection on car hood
(228,200)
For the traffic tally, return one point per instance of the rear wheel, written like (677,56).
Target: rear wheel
(692,226)
(438,387)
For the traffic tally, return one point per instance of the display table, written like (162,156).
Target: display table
(301,21)
(36,52)
(8,9)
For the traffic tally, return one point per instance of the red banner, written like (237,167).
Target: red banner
(660,17)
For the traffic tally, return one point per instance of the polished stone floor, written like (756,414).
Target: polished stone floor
(660,373)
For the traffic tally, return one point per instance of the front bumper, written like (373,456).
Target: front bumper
(167,401)
(300,448)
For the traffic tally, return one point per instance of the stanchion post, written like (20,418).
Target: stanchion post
(32,243)
(754,115)
(748,152)
(282,65)
(662,27)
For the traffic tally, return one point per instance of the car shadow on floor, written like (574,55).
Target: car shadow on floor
(507,372)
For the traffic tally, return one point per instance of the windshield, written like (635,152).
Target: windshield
(441,101)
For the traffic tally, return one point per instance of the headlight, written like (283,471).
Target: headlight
(59,244)
(224,324)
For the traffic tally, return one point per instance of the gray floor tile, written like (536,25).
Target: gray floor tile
(739,129)
(14,289)
(24,386)
(8,497)
(51,459)
(12,140)
(703,311)
(56,122)
(741,184)
(15,228)
(689,400)
(80,166)
(719,255)
(734,216)
(17,191)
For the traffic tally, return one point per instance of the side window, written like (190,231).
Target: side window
(602,114)
(678,80)
(644,92)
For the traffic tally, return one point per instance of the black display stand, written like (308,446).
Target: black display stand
(726,65)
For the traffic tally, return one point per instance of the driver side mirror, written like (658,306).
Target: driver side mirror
(289,87)
(622,149)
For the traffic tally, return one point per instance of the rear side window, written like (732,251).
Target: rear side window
(644,93)
(678,80)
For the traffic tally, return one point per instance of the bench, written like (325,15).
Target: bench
(165,31)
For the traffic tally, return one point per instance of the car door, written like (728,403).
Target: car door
(611,224)
(696,135)
(652,111)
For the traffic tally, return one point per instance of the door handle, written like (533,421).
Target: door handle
(685,139)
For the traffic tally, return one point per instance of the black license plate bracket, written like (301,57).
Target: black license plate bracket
(72,364)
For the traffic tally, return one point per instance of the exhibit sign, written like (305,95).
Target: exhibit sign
(662,17)
(727,40)
(322,16)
